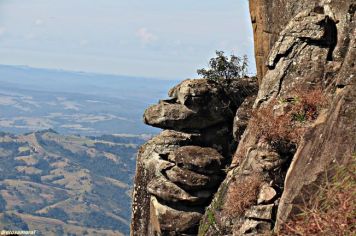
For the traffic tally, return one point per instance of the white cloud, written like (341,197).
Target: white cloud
(146,36)
(38,22)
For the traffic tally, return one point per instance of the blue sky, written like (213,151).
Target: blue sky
(150,38)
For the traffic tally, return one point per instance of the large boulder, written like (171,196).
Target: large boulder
(151,163)
(174,172)
(178,171)
(168,191)
(166,219)
(191,180)
(195,105)
(198,159)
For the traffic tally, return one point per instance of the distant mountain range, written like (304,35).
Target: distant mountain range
(76,181)
(75,102)
(67,185)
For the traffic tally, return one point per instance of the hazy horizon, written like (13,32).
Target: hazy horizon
(156,39)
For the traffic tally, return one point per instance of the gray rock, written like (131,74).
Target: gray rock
(300,45)
(195,104)
(220,138)
(266,195)
(262,212)
(193,92)
(242,117)
(166,190)
(191,180)
(240,89)
(253,227)
(263,159)
(150,163)
(305,57)
(305,27)
(169,115)
(165,218)
(198,159)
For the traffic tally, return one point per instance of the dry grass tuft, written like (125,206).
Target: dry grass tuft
(302,107)
(331,210)
(307,103)
(242,194)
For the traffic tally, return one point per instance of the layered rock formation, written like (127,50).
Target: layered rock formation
(300,124)
(179,170)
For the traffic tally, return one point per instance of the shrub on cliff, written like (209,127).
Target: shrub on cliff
(223,68)
(242,194)
(296,113)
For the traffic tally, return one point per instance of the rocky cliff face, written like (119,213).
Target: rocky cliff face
(296,127)
(179,170)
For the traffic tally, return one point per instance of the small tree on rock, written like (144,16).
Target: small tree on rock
(224,69)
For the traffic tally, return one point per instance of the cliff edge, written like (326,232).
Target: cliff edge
(240,160)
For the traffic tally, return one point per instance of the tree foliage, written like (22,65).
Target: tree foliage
(224,68)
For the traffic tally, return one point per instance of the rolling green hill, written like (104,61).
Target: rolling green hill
(69,185)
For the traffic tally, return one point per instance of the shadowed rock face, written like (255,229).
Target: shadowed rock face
(179,170)
(268,19)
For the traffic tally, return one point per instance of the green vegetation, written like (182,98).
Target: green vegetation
(57,213)
(46,177)
(223,69)
(12,222)
(2,204)
(207,223)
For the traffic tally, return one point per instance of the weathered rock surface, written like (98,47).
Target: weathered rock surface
(198,159)
(253,227)
(166,190)
(304,43)
(179,171)
(332,140)
(150,165)
(191,180)
(300,46)
(165,218)
(266,195)
(268,19)
(243,115)
(195,104)
(261,212)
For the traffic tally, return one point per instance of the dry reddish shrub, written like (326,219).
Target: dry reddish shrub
(302,107)
(272,128)
(242,194)
(331,209)
(307,103)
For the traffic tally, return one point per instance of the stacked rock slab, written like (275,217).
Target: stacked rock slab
(179,170)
